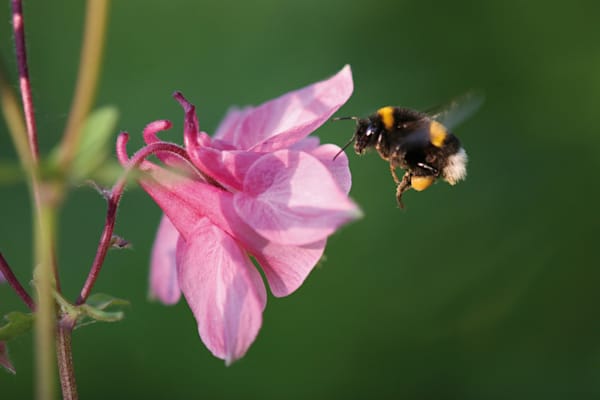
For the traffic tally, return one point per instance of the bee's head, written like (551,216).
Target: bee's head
(364,136)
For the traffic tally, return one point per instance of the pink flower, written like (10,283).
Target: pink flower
(258,188)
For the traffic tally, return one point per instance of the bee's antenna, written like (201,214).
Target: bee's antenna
(353,136)
(344,148)
(344,118)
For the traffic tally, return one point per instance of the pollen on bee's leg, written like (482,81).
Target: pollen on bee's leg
(420,183)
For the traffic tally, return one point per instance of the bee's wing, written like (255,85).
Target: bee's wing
(457,110)
(412,134)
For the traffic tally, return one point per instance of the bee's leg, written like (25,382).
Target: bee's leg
(393,171)
(403,186)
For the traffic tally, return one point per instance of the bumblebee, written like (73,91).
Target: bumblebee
(418,142)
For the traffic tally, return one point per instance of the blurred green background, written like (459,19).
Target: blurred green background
(486,290)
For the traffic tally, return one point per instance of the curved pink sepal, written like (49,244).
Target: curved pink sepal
(281,122)
(287,267)
(163,270)
(223,289)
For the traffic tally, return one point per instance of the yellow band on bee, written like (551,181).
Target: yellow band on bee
(420,183)
(387,116)
(437,134)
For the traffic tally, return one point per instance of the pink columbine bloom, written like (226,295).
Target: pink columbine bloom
(259,187)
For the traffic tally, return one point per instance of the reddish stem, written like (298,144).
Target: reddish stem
(64,355)
(24,82)
(15,284)
(113,202)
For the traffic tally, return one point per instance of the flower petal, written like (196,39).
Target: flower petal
(338,167)
(286,267)
(331,156)
(291,198)
(183,200)
(307,144)
(163,270)
(285,120)
(223,289)
(230,128)
(227,167)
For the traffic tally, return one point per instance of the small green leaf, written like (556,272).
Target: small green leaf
(99,315)
(18,324)
(95,144)
(102,301)
(96,307)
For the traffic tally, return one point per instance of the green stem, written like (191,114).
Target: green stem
(46,311)
(87,78)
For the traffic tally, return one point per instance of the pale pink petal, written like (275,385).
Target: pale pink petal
(326,153)
(225,166)
(163,270)
(223,289)
(286,267)
(2,278)
(229,167)
(307,144)
(291,198)
(183,200)
(281,122)
(338,167)
(230,128)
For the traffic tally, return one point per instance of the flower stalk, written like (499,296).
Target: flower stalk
(113,201)
(24,82)
(47,196)
(45,322)
(43,226)
(64,355)
(87,78)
